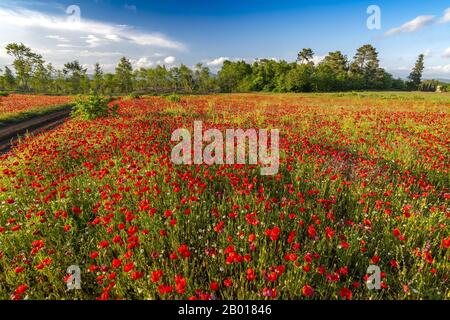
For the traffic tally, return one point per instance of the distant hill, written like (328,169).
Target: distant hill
(440,80)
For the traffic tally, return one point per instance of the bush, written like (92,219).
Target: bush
(4,94)
(429,85)
(173,97)
(92,106)
(134,95)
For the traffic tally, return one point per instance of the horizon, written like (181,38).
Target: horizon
(170,33)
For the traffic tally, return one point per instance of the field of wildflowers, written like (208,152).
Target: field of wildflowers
(17,107)
(363,180)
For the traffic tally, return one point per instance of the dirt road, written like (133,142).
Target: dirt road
(10,133)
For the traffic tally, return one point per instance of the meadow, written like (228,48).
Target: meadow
(363,180)
(17,107)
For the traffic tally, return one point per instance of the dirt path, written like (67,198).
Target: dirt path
(10,133)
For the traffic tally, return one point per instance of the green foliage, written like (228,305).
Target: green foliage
(334,73)
(233,75)
(299,78)
(134,95)
(173,98)
(431,86)
(124,76)
(76,76)
(416,74)
(25,62)
(4,94)
(305,56)
(91,107)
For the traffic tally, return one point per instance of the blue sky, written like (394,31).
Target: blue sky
(172,31)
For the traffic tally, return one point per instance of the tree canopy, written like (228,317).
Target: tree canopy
(335,72)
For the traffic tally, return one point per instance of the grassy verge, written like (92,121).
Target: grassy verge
(16,117)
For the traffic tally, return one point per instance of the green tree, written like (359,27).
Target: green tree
(75,74)
(59,82)
(9,82)
(337,62)
(331,73)
(159,79)
(204,82)
(109,84)
(235,76)
(183,78)
(299,78)
(124,76)
(97,79)
(415,77)
(25,62)
(366,67)
(305,56)
(41,79)
(281,70)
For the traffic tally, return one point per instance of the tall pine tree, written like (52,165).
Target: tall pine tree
(415,76)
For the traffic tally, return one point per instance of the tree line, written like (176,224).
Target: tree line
(334,73)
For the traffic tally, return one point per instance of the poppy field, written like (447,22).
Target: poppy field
(363,181)
(16,107)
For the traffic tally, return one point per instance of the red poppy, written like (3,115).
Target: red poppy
(116,263)
(21,289)
(156,275)
(184,251)
(346,293)
(214,286)
(128,267)
(307,290)
(228,282)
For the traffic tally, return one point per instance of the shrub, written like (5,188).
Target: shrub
(4,94)
(134,95)
(429,85)
(173,97)
(91,107)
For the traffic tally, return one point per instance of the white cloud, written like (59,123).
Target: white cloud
(438,71)
(428,53)
(57,38)
(97,54)
(67,45)
(217,62)
(412,26)
(446,53)
(143,62)
(26,19)
(169,59)
(317,59)
(93,41)
(446,17)
(113,37)
(3,53)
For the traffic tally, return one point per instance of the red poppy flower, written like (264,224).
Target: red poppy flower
(214,286)
(228,282)
(136,275)
(116,263)
(307,290)
(184,251)
(128,267)
(21,289)
(346,293)
(156,276)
